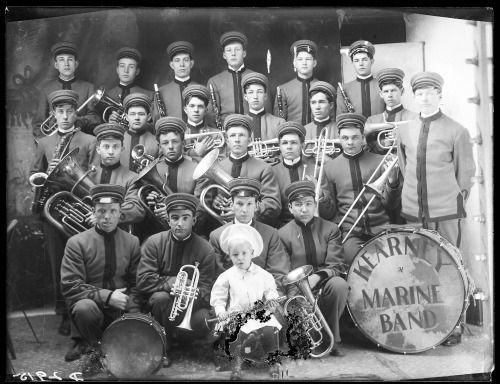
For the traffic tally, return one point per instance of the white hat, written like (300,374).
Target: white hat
(242,232)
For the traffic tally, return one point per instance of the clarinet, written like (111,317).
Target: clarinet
(162,109)
(347,102)
(216,108)
(279,97)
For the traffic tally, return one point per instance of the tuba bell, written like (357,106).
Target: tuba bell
(185,295)
(210,167)
(317,327)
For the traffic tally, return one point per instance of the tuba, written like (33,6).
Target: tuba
(218,141)
(111,105)
(317,327)
(185,295)
(210,167)
(261,149)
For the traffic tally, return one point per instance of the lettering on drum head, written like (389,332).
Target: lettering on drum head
(407,293)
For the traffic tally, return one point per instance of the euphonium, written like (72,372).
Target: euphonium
(210,167)
(259,149)
(141,158)
(316,323)
(111,105)
(313,147)
(386,132)
(185,295)
(219,142)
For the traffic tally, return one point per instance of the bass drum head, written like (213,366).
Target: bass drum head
(133,347)
(407,290)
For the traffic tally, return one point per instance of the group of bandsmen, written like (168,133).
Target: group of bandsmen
(104,271)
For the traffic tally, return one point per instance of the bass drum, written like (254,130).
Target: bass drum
(133,347)
(408,289)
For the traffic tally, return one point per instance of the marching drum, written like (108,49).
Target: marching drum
(409,289)
(133,346)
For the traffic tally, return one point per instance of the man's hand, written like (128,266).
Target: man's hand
(219,202)
(227,213)
(203,146)
(91,220)
(119,299)
(152,197)
(161,211)
(394,174)
(313,280)
(114,117)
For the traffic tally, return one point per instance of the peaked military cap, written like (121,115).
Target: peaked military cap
(180,47)
(107,193)
(304,45)
(254,78)
(237,120)
(299,189)
(196,90)
(63,96)
(390,76)
(361,46)
(170,122)
(64,47)
(181,201)
(323,86)
(245,186)
(426,79)
(233,37)
(103,130)
(129,52)
(351,120)
(242,232)
(136,100)
(291,127)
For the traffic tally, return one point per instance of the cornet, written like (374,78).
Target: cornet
(141,158)
(386,132)
(185,295)
(261,149)
(111,105)
(218,141)
(313,147)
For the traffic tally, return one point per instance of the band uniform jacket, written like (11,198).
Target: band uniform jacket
(317,243)
(132,210)
(268,126)
(200,128)
(171,95)
(272,259)
(163,256)
(229,93)
(437,164)
(295,100)
(353,89)
(96,263)
(343,179)
(131,139)
(401,114)
(270,204)
(89,117)
(286,174)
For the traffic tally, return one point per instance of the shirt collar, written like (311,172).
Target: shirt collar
(237,222)
(113,166)
(240,273)
(238,70)
(355,156)
(237,158)
(364,77)
(424,116)
(67,81)
(323,120)
(175,162)
(195,124)
(126,86)
(256,112)
(178,240)
(64,131)
(291,162)
(183,80)
(392,108)
(104,233)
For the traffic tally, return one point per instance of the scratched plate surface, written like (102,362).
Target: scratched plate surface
(407,292)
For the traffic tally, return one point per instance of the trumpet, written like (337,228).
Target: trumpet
(185,295)
(141,158)
(317,327)
(313,147)
(261,149)
(386,132)
(111,105)
(218,141)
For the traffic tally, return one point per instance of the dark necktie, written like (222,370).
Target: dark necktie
(125,91)
(237,164)
(237,91)
(309,246)
(66,84)
(182,86)
(391,115)
(320,125)
(107,170)
(306,107)
(257,123)
(365,96)
(108,281)
(173,169)
(293,170)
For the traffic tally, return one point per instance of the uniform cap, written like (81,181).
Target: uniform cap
(299,189)
(107,193)
(233,36)
(243,186)
(181,201)
(137,99)
(291,127)
(237,120)
(361,46)
(242,232)
(426,79)
(304,45)
(180,47)
(64,47)
(323,86)
(254,78)
(129,52)
(103,130)
(196,90)
(351,120)
(170,122)
(390,76)
(63,96)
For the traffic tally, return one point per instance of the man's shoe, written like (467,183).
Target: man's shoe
(168,360)
(337,350)
(453,339)
(65,326)
(76,351)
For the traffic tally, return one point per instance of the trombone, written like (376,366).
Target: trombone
(322,140)
(218,141)
(261,149)
(185,295)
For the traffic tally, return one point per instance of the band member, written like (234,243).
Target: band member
(362,92)
(294,94)
(390,82)
(344,178)
(238,288)
(239,163)
(98,271)
(138,109)
(163,255)
(245,194)
(49,151)
(227,84)
(322,102)
(255,87)
(66,62)
(181,61)
(437,165)
(310,240)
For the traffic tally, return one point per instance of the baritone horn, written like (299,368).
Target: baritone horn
(210,167)
(316,325)
(386,132)
(185,295)
(111,105)
(261,149)
(141,158)
(219,139)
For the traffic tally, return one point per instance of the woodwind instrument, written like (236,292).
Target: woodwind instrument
(268,61)
(215,106)
(347,102)
(279,98)
(162,109)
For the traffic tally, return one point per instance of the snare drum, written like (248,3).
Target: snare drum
(133,346)
(408,289)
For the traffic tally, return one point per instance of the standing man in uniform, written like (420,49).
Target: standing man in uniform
(362,92)
(227,84)
(63,103)
(66,62)
(295,93)
(437,164)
